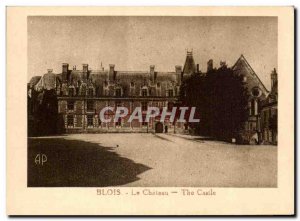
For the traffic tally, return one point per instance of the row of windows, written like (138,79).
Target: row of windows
(90,105)
(118,92)
(90,121)
(71,92)
(132,84)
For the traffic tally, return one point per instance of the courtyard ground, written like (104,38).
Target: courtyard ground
(152,160)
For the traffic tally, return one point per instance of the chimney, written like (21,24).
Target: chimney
(178,70)
(152,73)
(223,64)
(112,74)
(85,68)
(65,71)
(65,67)
(49,71)
(210,65)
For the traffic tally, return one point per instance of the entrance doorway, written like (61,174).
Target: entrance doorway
(159,127)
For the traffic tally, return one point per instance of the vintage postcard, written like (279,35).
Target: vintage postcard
(150,111)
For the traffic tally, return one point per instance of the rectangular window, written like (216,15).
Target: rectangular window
(265,118)
(144,106)
(144,123)
(118,123)
(170,106)
(70,105)
(90,105)
(91,92)
(171,93)
(252,107)
(90,120)
(83,90)
(118,104)
(118,92)
(71,92)
(70,121)
(144,92)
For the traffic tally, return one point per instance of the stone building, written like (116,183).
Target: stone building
(81,94)
(269,113)
(258,93)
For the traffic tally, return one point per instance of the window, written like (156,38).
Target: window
(70,105)
(171,94)
(118,123)
(144,123)
(132,84)
(70,120)
(83,90)
(265,118)
(158,84)
(144,92)
(90,92)
(170,106)
(144,106)
(252,107)
(256,92)
(71,91)
(90,105)
(118,92)
(106,92)
(118,103)
(90,120)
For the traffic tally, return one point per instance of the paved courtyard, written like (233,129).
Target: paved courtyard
(154,160)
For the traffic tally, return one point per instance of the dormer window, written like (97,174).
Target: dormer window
(83,90)
(118,92)
(71,91)
(144,92)
(90,92)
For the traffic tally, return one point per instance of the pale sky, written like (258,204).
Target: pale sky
(135,43)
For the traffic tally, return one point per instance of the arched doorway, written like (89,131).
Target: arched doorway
(159,127)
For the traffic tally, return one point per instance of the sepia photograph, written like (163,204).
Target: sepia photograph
(152,101)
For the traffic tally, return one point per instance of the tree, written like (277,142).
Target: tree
(221,99)
(228,104)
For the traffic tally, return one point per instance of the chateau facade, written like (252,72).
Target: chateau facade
(81,94)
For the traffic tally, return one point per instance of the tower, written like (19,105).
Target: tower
(189,65)
(273,78)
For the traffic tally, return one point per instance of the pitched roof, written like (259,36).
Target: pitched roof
(242,62)
(189,65)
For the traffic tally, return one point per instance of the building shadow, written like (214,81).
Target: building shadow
(74,163)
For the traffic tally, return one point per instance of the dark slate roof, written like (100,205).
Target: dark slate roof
(189,65)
